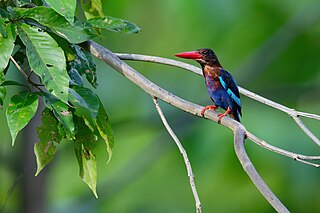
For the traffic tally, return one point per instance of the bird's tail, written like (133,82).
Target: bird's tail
(235,115)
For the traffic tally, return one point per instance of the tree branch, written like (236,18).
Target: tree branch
(291,112)
(239,134)
(184,155)
(239,130)
(295,156)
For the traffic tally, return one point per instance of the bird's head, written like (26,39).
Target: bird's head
(204,56)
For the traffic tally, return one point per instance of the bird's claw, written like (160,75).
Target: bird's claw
(206,108)
(220,116)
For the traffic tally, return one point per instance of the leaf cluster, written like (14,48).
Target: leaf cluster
(42,40)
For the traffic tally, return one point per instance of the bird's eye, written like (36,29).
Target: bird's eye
(205,52)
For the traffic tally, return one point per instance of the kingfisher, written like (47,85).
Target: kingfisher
(221,86)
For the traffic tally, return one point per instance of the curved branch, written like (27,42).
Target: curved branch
(151,88)
(291,112)
(294,114)
(247,165)
(156,91)
(184,155)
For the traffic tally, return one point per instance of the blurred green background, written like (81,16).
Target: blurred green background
(270,47)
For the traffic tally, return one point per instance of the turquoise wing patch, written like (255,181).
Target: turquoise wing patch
(229,91)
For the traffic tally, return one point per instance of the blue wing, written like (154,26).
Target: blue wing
(230,85)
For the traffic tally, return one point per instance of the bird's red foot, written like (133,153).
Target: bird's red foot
(206,108)
(223,114)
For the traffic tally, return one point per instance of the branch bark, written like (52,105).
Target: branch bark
(239,134)
(291,112)
(184,155)
(238,129)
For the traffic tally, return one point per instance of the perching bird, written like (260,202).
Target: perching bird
(222,87)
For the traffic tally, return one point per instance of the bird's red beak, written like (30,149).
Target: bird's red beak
(189,55)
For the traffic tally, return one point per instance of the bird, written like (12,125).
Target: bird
(222,87)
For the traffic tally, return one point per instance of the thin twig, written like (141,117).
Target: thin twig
(27,77)
(159,60)
(149,87)
(184,155)
(291,112)
(19,68)
(308,115)
(306,130)
(295,156)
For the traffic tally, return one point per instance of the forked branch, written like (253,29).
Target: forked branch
(291,112)
(238,129)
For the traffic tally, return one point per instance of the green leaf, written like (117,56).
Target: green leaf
(92,8)
(5,4)
(114,24)
(103,124)
(46,59)
(88,67)
(3,29)
(66,8)
(88,168)
(85,98)
(48,134)
(11,83)
(4,13)
(85,143)
(75,77)
(22,107)
(24,3)
(89,175)
(84,64)
(86,104)
(47,17)
(84,134)
(3,90)
(6,46)
(19,52)
(62,113)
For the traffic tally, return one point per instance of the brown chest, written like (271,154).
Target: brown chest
(211,75)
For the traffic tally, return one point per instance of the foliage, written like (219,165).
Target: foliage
(48,34)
